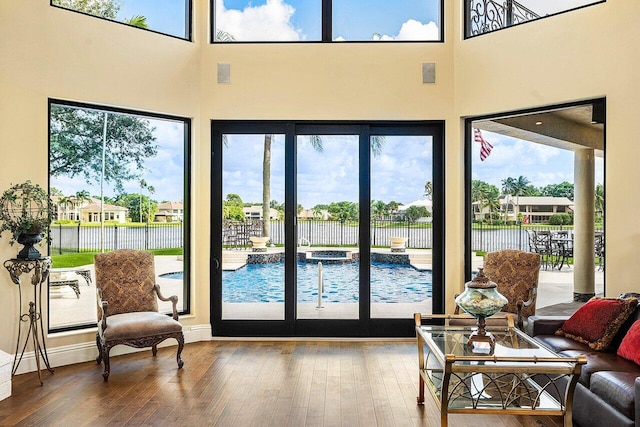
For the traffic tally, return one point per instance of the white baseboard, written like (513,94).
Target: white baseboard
(87,351)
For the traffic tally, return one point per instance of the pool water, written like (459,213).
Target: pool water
(390,283)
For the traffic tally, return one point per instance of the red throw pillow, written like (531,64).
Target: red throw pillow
(630,345)
(597,321)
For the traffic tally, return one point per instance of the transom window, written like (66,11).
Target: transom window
(326,20)
(170,17)
(485,16)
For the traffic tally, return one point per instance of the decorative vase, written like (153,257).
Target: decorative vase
(481,299)
(28,240)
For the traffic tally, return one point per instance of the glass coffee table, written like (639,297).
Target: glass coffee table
(518,376)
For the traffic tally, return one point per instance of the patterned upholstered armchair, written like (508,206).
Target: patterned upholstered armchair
(516,274)
(128,308)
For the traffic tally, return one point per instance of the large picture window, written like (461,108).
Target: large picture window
(170,17)
(536,183)
(326,20)
(118,180)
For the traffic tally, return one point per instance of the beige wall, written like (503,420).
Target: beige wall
(48,52)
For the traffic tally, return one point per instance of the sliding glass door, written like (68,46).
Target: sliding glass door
(325,229)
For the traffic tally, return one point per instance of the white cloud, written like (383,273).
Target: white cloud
(413,30)
(268,22)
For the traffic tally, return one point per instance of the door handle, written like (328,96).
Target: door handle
(216,263)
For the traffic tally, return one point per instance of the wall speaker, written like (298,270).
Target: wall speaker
(224,72)
(428,72)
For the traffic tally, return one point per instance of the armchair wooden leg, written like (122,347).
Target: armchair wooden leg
(99,345)
(107,367)
(180,347)
(154,350)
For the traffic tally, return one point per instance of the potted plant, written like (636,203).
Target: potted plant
(26,211)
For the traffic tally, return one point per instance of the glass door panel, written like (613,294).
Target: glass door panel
(401,225)
(252,233)
(328,226)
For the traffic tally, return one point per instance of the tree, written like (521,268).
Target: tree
(344,211)
(599,199)
(517,187)
(486,195)
(138,204)
(378,209)
(102,8)
(76,145)
(392,207)
(414,213)
(137,21)
(564,189)
(232,208)
(428,190)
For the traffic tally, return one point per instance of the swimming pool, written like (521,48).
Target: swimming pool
(390,283)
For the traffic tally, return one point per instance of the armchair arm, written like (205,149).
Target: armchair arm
(102,306)
(520,304)
(172,298)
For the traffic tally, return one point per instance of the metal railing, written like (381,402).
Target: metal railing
(88,238)
(484,16)
(487,238)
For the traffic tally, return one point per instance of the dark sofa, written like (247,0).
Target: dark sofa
(608,390)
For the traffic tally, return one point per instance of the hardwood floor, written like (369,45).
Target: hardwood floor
(240,383)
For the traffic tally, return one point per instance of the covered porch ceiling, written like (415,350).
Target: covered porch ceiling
(569,128)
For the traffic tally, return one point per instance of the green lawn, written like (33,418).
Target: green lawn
(84,258)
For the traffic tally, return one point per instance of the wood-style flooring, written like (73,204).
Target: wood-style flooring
(241,383)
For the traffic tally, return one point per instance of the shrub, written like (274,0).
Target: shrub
(556,219)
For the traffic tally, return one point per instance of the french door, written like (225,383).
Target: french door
(325,229)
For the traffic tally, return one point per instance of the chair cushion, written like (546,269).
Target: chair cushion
(139,324)
(630,346)
(597,361)
(598,321)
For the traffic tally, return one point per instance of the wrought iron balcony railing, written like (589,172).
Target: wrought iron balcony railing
(484,16)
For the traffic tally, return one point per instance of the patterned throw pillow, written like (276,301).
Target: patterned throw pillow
(630,346)
(597,321)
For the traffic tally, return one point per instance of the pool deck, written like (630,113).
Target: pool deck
(555,295)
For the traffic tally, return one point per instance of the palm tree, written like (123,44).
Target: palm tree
(516,187)
(151,189)
(81,197)
(137,21)
(428,189)
(599,199)
(143,185)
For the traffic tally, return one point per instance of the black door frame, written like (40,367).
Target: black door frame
(290,326)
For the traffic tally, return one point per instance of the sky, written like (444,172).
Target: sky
(165,171)
(300,20)
(541,164)
(399,173)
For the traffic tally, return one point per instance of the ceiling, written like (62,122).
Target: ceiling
(568,128)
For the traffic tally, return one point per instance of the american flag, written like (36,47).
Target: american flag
(485,146)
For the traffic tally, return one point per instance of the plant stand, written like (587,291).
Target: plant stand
(39,270)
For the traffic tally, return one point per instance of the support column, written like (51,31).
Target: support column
(584,225)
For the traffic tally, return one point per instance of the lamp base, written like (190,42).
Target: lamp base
(481,342)
(479,338)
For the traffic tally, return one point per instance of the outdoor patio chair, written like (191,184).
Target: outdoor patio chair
(128,308)
(540,243)
(516,274)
